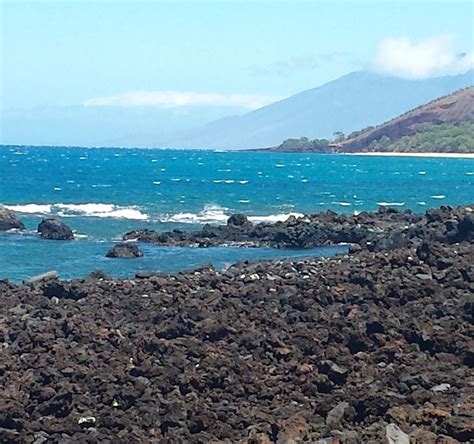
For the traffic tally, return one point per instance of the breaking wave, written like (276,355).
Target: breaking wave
(101,210)
(215,214)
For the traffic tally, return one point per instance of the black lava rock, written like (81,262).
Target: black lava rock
(124,250)
(54,229)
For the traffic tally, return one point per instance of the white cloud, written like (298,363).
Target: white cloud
(432,57)
(174,99)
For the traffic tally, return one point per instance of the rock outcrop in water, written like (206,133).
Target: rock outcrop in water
(54,229)
(384,230)
(124,250)
(9,220)
(368,347)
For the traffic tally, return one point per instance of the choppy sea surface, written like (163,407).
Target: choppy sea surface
(104,192)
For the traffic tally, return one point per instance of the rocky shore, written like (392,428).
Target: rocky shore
(371,347)
(384,230)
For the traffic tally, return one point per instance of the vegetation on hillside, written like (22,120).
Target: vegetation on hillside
(304,144)
(444,138)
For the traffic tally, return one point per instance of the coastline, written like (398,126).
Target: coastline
(424,154)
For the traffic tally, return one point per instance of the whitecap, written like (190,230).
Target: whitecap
(175,180)
(279,165)
(344,204)
(391,204)
(229,181)
(243,182)
(272,218)
(156,182)
(422,173)
(421,203)
(30,208)
(304,180)
(218,181)
(57,189)
(100,210)
(470,173)
(245,201)
(438,196)
(210,214)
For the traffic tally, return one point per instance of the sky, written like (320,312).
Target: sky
(218,57)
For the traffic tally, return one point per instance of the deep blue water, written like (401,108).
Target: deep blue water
(103,193)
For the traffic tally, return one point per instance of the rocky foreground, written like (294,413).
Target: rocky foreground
(371,347)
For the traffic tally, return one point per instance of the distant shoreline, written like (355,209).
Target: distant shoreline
(393,154)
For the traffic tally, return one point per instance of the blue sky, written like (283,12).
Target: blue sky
(222,54)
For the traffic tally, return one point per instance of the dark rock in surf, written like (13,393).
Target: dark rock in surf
(54,229)
(9,220)
(124,250)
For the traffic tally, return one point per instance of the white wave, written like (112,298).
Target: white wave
(273,218)
(30,208)
(101,210)
(214,214)
(391,204)
(438,196)
(421,203)
(84,210)
(344,204)
(279,165)
(470,173)
(243,182)
(210,214)
(229,181)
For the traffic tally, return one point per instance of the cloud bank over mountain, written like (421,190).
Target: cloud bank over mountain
(433,57)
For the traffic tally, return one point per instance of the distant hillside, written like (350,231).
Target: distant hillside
(347,104)
(445,124)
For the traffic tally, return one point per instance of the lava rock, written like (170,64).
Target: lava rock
(238,220)
(9,220)
(124,250)
(54,229)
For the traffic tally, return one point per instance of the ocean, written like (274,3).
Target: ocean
(104,192)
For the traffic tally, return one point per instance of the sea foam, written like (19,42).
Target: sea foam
(101,210)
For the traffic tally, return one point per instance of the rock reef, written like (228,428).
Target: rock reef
(374,346)
(384,230)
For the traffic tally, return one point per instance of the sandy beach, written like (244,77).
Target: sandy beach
(446,155)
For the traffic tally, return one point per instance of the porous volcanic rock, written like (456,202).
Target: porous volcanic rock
(54,229)
(9,220)
(124,250)
(359,348)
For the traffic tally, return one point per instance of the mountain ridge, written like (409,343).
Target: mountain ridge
(353,101)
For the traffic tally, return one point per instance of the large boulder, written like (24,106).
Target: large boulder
(238,220)
(54,229)
(9,220)
(124,250)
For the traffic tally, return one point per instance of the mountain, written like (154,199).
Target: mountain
(354,101)
(444,124)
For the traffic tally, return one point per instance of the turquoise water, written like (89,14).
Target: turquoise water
(103,193)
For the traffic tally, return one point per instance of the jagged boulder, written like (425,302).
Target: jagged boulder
(124,250)
(54,229)
(238,220)
(9,220)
